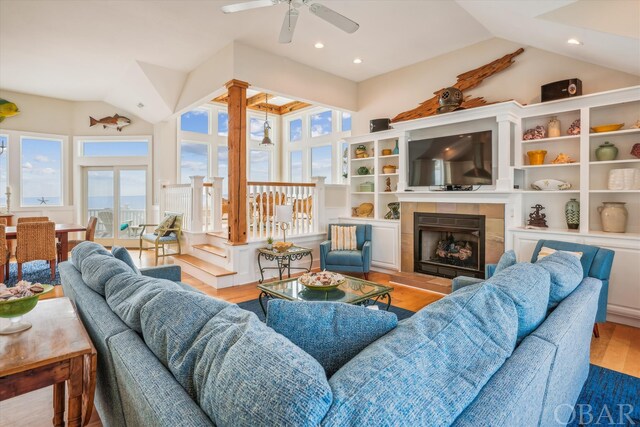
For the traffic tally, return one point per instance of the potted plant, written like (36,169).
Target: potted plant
(269,242)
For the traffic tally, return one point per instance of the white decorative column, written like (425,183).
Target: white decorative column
(215,203)
(196,204)
(319,214)
(504,181)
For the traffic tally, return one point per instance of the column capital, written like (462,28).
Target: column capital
(236,83)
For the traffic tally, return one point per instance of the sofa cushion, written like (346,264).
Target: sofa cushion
(240,371)
(545,252)
(506,260)
(127,293)
(437,361)
(528,286)
(566,274)
(83,250)
(332,333)
(123,255)
(353,258)
(97,268)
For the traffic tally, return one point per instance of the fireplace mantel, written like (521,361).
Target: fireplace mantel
(479,196)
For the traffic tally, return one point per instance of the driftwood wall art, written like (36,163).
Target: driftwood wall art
(467,80)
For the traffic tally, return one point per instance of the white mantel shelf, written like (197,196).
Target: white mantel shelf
(478,196)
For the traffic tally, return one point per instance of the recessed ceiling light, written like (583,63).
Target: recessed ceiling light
(574,42)
(319,45)
(357,61)
(140,105)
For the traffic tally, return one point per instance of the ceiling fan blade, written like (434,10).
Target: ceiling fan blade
(334,18)
(239,7)
(288,26)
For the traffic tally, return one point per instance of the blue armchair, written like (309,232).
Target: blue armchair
(358,261)
(596,262)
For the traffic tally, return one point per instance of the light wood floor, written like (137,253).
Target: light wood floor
(618,347)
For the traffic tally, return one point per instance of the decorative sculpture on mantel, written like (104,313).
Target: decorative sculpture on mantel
(537,219)
(466,81)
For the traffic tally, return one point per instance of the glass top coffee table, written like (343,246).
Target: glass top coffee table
(353,291)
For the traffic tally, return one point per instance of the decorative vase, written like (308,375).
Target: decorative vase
(613,216)
(572,214)
(606,151)
(269,246)
(553,128)
(396,150)
(536,157)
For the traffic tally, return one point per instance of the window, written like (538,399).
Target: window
(346,122)
(4,175)
(115,148)
(345,159)
(259,165)
(194,160)
(223,168)
(295,166)
(223,123)
(321,123)
(41,177)
(256,129)
(321,162)
(195,121)
(295,130)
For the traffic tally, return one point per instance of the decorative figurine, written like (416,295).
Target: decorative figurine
(538,132)
(574,129)
(635,150)
(394,211)
(537,219)
(450,100)
(388,189)
(562,159)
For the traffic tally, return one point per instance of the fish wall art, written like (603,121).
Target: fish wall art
(7,109)
(113,122)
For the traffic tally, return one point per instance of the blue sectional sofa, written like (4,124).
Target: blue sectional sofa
(491,354)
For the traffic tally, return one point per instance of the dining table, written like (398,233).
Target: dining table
(62,234)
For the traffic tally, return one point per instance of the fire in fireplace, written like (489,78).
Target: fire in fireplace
(449,245)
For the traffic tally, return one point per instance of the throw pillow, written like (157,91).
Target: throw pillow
(506,260)
(566,274)
(167,222)
(333,333)
(343,238)
(123,255)
(545,251)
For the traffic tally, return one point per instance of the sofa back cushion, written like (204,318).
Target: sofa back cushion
(506,260)
(565,273)
(528,286)
(123,255)
(97,265)
(586,259)
(331,332)
(431,366)
(240,371)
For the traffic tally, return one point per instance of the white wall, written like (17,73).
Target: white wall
(390,94)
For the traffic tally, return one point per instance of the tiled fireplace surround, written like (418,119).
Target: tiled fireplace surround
(494,226)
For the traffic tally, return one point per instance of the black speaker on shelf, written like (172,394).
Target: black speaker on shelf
(560,90)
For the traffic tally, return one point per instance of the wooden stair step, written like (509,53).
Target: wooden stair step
(214,270)
(219,234)
(211,249)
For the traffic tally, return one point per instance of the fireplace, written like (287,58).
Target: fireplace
(449,245)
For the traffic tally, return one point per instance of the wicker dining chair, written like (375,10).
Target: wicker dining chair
(4,253)
(33,219)
(36,241)
(89,236)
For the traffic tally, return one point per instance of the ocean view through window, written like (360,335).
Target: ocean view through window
(41,171)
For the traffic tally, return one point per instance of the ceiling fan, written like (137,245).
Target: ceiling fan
(291,17)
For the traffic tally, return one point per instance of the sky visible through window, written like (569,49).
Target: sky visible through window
(223,123)
(346,122)
(115,148)
(321,162)
(195,121)
(41,172)
(295,130)
(259,165)
(256,129)
(295,167)
(3,170)
(223,168)
(321,123)
(194,161)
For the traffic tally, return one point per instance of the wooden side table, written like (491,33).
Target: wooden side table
(56,351)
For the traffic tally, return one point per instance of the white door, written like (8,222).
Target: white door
(117,196)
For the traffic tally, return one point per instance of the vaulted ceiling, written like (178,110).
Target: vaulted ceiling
(85,50)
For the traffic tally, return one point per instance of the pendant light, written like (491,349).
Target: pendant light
(266,141)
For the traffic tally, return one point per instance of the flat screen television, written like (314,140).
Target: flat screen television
(463,159)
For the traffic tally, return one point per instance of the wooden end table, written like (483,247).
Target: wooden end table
(56,351)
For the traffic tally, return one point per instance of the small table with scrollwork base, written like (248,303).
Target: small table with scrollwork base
(352,291)
(283,260)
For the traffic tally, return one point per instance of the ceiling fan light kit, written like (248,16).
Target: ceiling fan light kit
(291,16)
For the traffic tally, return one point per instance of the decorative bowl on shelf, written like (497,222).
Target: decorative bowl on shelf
(17,301)
(550,185)
(388,169)
(607,128)
(322,281)
(387,152)
(282,246)
(536,157)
